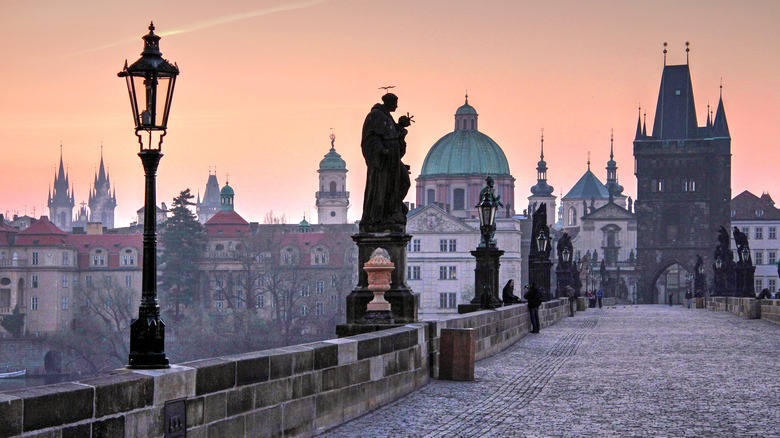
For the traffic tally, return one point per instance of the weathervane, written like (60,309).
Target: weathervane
(387,88)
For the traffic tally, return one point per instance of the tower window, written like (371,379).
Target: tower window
(333,187)
(430,196)
(332,214)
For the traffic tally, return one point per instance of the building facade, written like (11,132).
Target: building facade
(759,219)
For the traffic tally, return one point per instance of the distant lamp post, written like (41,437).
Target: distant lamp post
(487,219)
(542,242)
(566,255)
(150,83)
(746,255)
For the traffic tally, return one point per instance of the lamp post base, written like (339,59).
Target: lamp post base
(147,343)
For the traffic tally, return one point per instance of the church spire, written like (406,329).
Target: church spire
(541,188)
(639,124)
(720,125)
(612,185)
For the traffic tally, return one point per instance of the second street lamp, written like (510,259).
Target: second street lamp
(150,83)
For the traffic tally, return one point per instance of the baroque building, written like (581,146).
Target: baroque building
(683,176)
(455,168)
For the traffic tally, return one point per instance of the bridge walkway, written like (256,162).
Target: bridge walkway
(650,370)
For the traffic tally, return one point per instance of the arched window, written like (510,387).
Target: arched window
(333,186)
(572,217)
(430,196)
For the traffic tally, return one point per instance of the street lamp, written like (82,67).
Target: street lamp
(541,242)
(151,80)
(566,255)
(487,219)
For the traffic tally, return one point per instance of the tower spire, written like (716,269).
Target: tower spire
(687,51)
(541,155)
(639,123)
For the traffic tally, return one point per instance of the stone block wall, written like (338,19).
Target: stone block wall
(750,308)
(770,310)
(299,390)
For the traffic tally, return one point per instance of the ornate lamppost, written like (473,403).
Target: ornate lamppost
(150,83)
(487,255)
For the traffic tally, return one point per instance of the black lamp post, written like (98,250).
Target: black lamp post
(541,242)
(151,80)
(487,255)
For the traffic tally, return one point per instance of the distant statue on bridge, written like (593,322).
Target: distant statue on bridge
(564,243)
(741,240)
(722,251)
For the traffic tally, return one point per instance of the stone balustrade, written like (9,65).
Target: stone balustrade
(294,391)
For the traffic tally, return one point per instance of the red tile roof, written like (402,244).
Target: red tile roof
(42,233)
(747,206)
(227,223)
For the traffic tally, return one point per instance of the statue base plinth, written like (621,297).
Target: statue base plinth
(403,302)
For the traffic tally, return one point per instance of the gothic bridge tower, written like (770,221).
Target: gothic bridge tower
(683,176)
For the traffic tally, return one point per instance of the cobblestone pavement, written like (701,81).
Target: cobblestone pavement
(625,371)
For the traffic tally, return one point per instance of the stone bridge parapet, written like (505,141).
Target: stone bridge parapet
(299,390)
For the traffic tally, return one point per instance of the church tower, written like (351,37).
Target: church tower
(102,201)
(683,176)
(211,201)
(542,192)
(333,197)
(614,188)
(61,201)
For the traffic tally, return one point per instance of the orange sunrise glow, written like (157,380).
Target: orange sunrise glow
(262,84)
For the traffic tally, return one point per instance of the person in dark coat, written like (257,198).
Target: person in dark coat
(508,294)
(534,299)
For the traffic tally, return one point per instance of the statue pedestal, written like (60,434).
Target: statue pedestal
(745,274)
(486,278)
(403,302)
(564,278)
(539,273)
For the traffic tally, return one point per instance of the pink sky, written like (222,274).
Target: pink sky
(263,82)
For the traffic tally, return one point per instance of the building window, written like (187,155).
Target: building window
(319,256)
(319,287)
(572,217)
(64,281)
(65,259)
(98,260)
(688,185)
(240,297)
(413,272)
(413,246)
(660,185)
(219,300)
(260,301)
(128,259)
(772,258)
(64,303)
(88,280)
(759,256)
(128,281)
(746,230)
(772,285)
(107,280)
(305,290)
(34,281)
(319,309)
(759,234)
(288,257)
(759,213)
(773,233)
(35,257)
(447,300)
(447,273)
(759,284)
(459,199)
(33,303)
(448,245)
(430,196)
(333,280)
(304,310)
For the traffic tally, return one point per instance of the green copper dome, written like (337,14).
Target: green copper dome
(465,151)
(466,109)
(227,191)
(333,160)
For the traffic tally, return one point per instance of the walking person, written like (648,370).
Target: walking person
(599,296)
(591,300)
(534,299)
(573,295)
(671,299)
(688,297)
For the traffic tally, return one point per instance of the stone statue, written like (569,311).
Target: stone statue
(387,182)
(698,264)
(564,243)
(603,271)
(741,240)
